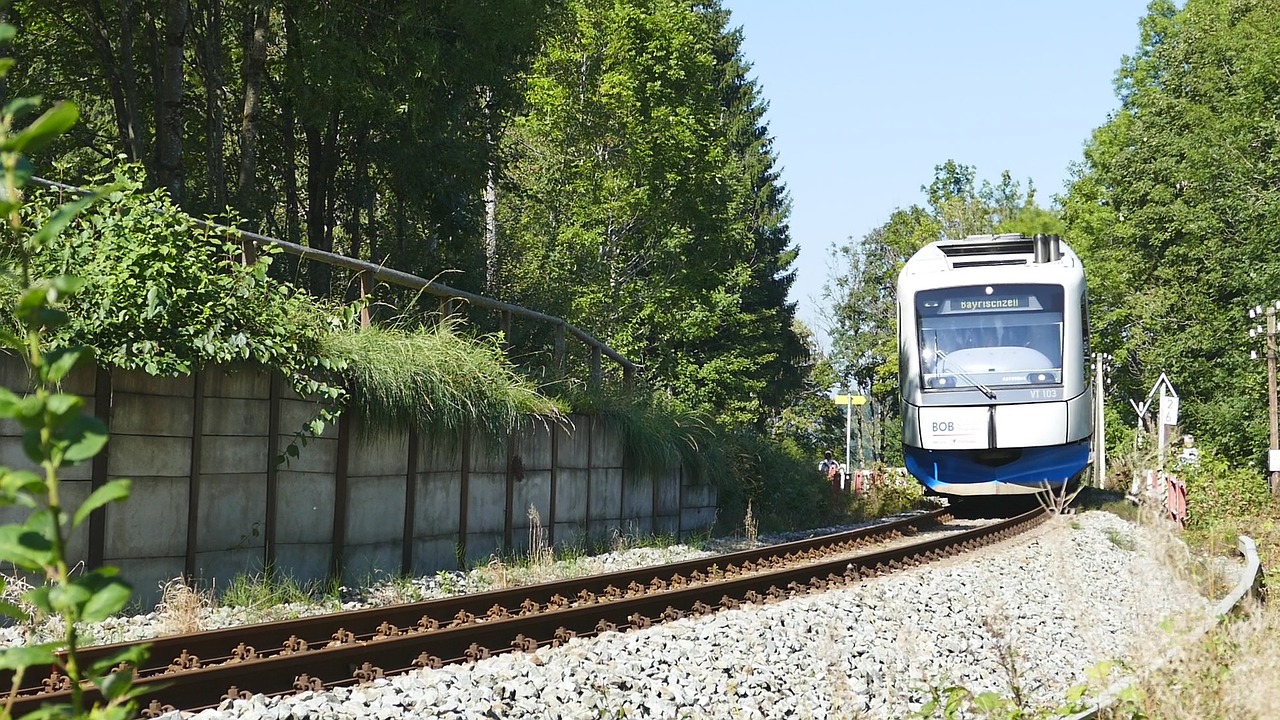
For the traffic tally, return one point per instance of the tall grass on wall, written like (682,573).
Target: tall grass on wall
(433,379)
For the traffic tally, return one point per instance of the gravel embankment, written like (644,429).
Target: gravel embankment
(1027,617)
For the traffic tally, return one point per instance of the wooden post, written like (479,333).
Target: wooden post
(363,278)
(558,354)
(504,326)
(464,500)
(596,373)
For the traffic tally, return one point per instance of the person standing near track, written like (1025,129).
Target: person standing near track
(830,469)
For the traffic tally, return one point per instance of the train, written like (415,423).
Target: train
(993,362)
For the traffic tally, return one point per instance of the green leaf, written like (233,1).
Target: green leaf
(85,437)
(13,482)
(108,599)
(117,489)
(22,656)
(60,219)
(67,599)
(18,105)
(25,548)
(115,685)
(7,32)
(62,407)
(46,128)
(14,611)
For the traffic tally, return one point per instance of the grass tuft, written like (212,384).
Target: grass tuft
(433,379)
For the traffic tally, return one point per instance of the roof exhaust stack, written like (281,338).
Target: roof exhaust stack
(1040,247)
(1046,248)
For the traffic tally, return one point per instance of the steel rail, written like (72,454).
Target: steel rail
(346,660)
(230,644)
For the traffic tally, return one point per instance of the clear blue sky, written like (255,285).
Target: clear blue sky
(865,98)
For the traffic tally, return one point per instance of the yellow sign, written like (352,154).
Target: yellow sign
(851,399)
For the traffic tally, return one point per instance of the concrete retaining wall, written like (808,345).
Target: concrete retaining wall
(210,501)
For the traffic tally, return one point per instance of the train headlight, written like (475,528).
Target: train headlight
(942,381)
(1040,378)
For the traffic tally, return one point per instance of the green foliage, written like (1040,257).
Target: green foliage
(56,434)
(432,379)
(167,296)
(1176,213)
(642,203)
(658,434)
(1216,491)
(779,481)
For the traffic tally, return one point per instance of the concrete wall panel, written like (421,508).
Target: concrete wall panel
(151,523)
(385,455)
(606,447)
(436,514)
(236,416)
(534,490)
(228,454)
(135,414)
(606,494)
(136,381)
(574,442)
(668,493)
(217,568)
(297,414)
(485,509)
(240,381)
(431,555)
(304,562)
(488,455)
(232,512)
(319,455)
(483,547)
(439,455)
(366,563)
(304,513)
(148,575)
(375,510)
(140,456)
(571,496)
(533,445)
(637,496)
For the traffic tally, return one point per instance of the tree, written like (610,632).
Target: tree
(640,201)
(1175,210)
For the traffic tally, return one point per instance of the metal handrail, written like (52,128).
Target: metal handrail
(405,280)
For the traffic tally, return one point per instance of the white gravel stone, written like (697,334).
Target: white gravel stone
(1085,590)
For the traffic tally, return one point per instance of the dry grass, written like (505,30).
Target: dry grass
(182,607)
(750,527)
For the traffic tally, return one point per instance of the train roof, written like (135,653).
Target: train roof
(989,252)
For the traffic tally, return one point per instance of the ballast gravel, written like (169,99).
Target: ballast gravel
(1025,618)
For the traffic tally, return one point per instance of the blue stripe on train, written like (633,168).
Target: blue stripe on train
(1054,465)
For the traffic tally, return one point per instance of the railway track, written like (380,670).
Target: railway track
(202,669)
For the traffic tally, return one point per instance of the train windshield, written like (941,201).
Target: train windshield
(990,336)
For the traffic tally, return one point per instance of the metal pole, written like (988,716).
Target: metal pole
(848,434)
(1100,433)
(1271,397)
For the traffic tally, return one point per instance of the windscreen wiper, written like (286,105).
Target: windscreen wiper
(991,394)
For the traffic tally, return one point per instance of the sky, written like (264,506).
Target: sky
(866,98)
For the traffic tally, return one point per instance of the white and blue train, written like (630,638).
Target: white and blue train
(993,343)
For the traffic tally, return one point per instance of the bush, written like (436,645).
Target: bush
(1217,492)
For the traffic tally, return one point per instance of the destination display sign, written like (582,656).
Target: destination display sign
(993,303)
